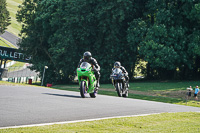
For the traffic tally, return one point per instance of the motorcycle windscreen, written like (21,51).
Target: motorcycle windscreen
(117,71)
(85,65)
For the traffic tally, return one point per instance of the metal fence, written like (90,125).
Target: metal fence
(20,75)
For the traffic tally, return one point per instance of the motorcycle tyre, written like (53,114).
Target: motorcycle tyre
(126,94)
(93,95)
(119,91)
(83,89)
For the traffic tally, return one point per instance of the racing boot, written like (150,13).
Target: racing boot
(96,90)
(98,85)
(127,84)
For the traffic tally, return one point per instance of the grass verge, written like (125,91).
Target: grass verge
(12,84)
(35,84)
(183,122)
(5,43)
(17,66)
(14,27)
(168,92)
(8,83)
(2,43)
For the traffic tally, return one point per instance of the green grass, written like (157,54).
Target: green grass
(163,123)
(146,89)
(35,84)
(16,66)
(14,27)
(145,86)
(135,96)
(8,83)
(12,6)
(5,43)
(159,86)
(2,43)
(144,97)
(11,83)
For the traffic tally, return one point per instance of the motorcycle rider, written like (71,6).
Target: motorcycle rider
(87,57)
(117,64)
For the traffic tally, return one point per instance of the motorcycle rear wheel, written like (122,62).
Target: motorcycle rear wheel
(83,89)
(93,95)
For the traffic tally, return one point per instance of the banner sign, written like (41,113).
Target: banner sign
(12,54)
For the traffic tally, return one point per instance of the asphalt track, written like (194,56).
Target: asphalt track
(25,105)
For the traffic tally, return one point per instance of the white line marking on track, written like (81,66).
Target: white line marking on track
(65,122)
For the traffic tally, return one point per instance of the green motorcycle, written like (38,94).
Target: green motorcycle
(87,80)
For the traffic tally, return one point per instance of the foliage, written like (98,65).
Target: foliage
(167,36)
(59,32)
(4,16)
(163,33)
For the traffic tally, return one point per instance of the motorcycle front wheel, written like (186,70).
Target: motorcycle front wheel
(119,89)
(126,94)
(83,89)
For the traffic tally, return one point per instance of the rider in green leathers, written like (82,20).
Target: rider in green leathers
(87,57)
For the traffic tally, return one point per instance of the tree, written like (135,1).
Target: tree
(4,16)
(57,33)
(167,38)
(35,33)
(164,33)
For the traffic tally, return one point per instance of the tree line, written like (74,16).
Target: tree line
(4,16)
(164,33)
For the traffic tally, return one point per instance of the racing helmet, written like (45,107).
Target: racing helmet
(117,64)
(87,56)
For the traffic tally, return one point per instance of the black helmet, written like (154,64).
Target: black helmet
(117,64)
(87,56)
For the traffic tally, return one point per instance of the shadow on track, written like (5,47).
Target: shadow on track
(62,95)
